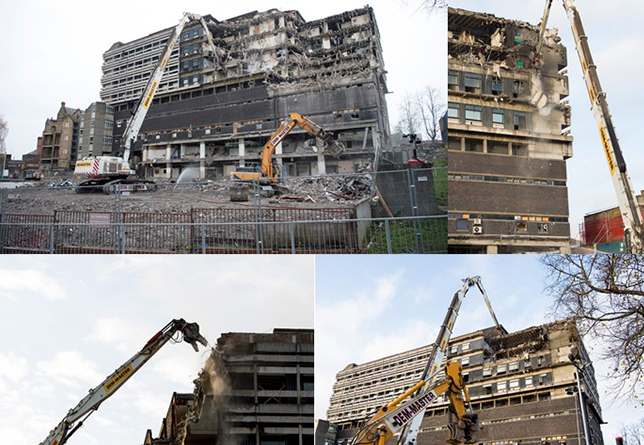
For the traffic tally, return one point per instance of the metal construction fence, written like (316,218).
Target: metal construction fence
(384,212)
(41,234)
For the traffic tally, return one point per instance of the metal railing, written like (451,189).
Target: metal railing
(326,214)
(350,236)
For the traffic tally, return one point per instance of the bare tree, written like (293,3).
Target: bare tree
(433,5)
(633,434)
(4,131)
(605,295)
(431,108)
(408,122)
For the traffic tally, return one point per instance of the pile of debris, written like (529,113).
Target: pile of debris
(329,188)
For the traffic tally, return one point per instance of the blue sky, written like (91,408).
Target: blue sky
(367,308)
(615,37)
(68,322)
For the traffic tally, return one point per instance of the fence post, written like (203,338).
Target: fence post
(203,239)
(291,231)
(258,217)
(52,239)
(3,219)
(414,207)
(388,235)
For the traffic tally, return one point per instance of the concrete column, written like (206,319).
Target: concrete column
(202,162)
(168,165)
(168,152)
(462,143)
(145,154)
(484,145)
(492,249)
(321,161)
(182,151)
(242,152)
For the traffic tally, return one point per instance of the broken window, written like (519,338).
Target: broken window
(528,381)
(475,145)
(520,120)
(502,386)
(496,86)
(466,347)
(453,110)
(487,372)
(497,148)
(452,81)
(473,83)
(518,87)
(519,150)
(487,389)
(473,113)
(522,227)
(465,361)
(501,369)
(454,350)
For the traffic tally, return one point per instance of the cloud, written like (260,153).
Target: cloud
(121,334)
(13,367)
(70,369)
(17,283)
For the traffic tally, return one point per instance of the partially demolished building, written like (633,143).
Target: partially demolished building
(508,137)
(522,384)
(216,108)
(254,389)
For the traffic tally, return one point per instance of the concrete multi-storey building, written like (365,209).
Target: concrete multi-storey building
(58,148)
(216,108)
(256,389)
(95,133)
(508,137)
(523,385)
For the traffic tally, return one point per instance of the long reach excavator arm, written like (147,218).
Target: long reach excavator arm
(76,416)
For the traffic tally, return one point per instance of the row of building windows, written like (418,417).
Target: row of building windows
(190,65)
(500,217)
(505,179)
(191,34)
(488,146)
(480,84)
(474,114)
(189,50)
(141,49)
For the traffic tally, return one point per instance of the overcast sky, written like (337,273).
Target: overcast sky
(69,322)
(369,308)
(615,37)
(56,54)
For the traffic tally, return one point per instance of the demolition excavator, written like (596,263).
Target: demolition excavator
(76,416)
(626,196)
(110,173)
(404,414)
(268,173)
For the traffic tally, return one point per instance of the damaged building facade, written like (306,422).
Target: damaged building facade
(216,107)
(254,389)
(58,145)
(508,137)
(522,384)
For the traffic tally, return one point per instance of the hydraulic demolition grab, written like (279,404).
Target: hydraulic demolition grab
(626,197)
(76,416)
(268,172)
(405,414)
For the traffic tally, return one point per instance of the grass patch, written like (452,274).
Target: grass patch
(440,182)
(408,236)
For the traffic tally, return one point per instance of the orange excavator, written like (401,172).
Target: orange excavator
(268,172)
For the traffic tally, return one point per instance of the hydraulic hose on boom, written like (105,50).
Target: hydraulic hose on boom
(76,416)
(626,196)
